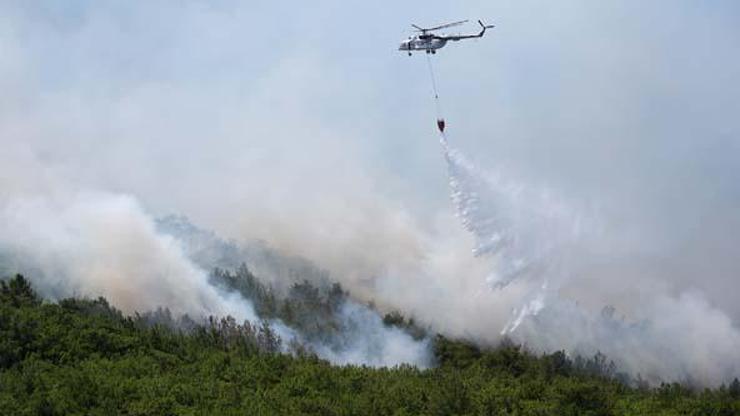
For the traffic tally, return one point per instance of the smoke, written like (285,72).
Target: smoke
(319,147)
(359,337)
(363,339)
(101,244)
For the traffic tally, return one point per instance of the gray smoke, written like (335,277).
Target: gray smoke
(102,244)
(112,114)
(361,337)
(364,340)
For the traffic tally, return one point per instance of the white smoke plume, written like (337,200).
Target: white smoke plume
(361,337)
(115,113)
(102,244)
(365,340)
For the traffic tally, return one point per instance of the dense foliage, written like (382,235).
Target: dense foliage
(84,357)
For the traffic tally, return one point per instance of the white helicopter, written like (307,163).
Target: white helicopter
(427,41)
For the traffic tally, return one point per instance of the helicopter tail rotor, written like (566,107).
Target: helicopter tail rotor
(485,26)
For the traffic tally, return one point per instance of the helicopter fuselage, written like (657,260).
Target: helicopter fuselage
(429,44)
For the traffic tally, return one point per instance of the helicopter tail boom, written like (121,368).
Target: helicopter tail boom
(480,34)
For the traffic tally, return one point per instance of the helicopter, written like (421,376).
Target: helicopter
(427,40)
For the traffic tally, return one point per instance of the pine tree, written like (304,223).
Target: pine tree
(734,389)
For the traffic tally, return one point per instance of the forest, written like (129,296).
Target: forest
(82,356)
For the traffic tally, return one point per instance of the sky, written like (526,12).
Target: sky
(302,125)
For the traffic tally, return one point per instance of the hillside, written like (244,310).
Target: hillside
(82,356)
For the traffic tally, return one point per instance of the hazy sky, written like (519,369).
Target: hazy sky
(263,119)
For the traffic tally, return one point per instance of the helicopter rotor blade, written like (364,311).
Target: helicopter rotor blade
(448,25)
(421,29)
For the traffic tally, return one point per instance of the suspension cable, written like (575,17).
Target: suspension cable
(437,103)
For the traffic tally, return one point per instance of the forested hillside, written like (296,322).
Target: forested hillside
(82,356)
